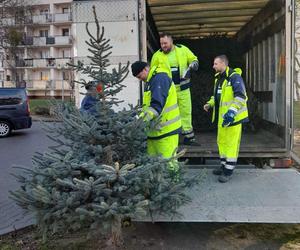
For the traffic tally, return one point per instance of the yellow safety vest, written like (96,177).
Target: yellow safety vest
(169,119)
(184,57)
(227,99)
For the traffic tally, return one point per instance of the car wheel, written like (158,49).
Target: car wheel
(5,128)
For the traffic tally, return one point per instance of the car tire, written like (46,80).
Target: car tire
(5,128)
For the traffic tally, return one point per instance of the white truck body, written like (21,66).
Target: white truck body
(269,64)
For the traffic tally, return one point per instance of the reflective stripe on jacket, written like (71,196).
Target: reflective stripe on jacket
(233,96)
(184,57)
(168,119)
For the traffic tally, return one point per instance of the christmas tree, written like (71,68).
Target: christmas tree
(98,173)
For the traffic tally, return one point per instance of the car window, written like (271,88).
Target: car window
(11,97)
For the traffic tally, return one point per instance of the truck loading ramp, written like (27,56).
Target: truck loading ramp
(252,195)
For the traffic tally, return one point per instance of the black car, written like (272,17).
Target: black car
(14,110)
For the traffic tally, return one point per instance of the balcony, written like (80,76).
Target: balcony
(50,40)
(58,63)
(36,84)
(62,85)
(43,63)
(41,19)
(62,17)
(39,41)
(63,40)
(45,41)
(48,85)
(38,19)
(20,63)
(8,64)
(34,41)
(62,63)
(27,40)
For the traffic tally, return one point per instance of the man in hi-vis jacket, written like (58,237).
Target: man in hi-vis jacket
(160,103)
(180,60)
(229,104)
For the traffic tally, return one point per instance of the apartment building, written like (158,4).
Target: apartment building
(46,48)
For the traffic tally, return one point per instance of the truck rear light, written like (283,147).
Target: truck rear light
(281,163)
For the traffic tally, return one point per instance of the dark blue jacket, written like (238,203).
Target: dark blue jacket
(88,104)
(159,86)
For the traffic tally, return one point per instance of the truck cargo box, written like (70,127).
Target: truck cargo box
(257,36)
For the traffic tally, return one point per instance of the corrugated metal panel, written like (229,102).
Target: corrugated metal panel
(200,18)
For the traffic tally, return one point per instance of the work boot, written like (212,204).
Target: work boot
(190,141)
(224,178)
(218,171)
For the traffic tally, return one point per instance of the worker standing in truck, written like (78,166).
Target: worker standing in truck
(229,103)
(160,104)
(181,62)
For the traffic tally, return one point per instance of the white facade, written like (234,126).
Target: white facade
(56,35)
(119,19)
(47,48)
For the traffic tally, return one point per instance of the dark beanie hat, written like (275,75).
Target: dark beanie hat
(137,67)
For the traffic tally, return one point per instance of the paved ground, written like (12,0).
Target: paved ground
(17,150)
(253,195)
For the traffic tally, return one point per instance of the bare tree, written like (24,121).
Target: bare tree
(14,16)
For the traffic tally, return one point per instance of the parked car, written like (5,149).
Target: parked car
(14,110)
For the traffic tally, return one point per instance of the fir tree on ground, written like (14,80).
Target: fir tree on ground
(99,173)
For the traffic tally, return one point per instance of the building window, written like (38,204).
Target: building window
(65,75)
(51,62)
(44,54)
(43,33)
(66,54)
(65,32)
(44,76)
(65,10)
(44,12)
(7,77)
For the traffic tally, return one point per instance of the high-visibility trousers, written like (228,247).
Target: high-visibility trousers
(185,108)
(228,140)
(166,147)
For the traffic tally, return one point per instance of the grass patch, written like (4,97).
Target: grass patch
(43,106)
(297,114)
(40,106)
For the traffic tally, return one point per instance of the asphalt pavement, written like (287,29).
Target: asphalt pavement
(17,150)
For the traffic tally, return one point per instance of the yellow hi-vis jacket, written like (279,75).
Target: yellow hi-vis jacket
(228,100)
(168,121)
(184,57)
